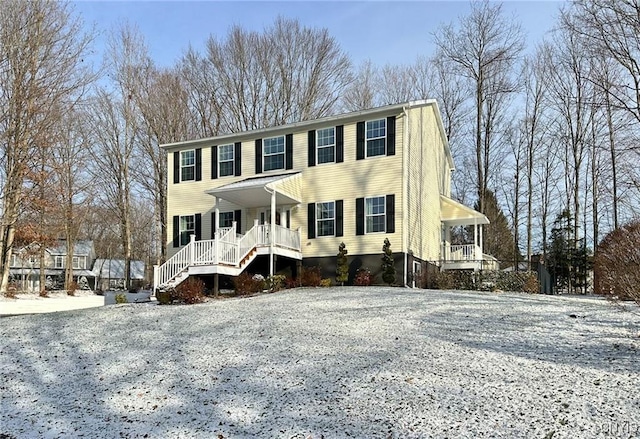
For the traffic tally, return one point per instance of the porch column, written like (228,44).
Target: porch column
(272,232)
(216,217)
(480,242)
(475,240)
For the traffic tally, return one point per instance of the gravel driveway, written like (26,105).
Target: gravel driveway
(326,363)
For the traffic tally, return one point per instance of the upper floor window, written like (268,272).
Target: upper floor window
(226,159)
(375,217)
(326,145)
(188,165)
(187,228)
(273,154)
(325,219)
(59,262)
(375,137)
(79,262)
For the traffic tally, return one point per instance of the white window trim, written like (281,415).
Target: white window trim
(232,160)
(326,219)
(78,262)
(55,261)
(384,203)
(180,230)
(318,147)
(232,213)
(284,153)
(366,139)
(188,166)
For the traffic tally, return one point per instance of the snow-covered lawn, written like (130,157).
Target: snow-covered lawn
(326,363)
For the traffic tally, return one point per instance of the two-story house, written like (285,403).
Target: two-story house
(25,266)
(286,196)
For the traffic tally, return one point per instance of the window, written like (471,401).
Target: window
(78,262)
(59,262)
(14,260)
(326,145)
(376,137)
(188,165)
(273,154)
(226,219)
(225,160)
(325,219)
(187,228)
(375,214)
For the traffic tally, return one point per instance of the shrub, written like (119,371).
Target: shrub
(121,298)
(248,284)
(325,283)
(43,292)
(342,265)
(617,263)
(165,297)
(363,277)
(388,265)
(73,287)
(531,283)
(290,282)
(310,277)
(275,283)
(12,290)
(190,291)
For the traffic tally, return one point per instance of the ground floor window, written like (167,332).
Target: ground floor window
(375,214)
(187,228)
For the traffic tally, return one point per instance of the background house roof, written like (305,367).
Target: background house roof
(114,269)
(81,248)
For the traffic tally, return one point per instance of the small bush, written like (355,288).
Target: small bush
(165,297)
(325,283)
(363,277)
(248,284)
(12,291)
(310,277)
(275,283)
(388,265)
(342,265)
(190,291)
(443,281)
(531,284)
(290,282)
(121,298)
(73,287)
(43,292)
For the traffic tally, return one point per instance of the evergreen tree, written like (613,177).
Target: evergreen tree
(498,234)
(388,266)
(342,266)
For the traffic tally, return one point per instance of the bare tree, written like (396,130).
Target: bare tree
(484,46)
(363,92)
(42,75)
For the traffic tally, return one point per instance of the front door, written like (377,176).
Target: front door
(264,216)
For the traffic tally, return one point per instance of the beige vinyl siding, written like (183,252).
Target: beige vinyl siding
(428,172)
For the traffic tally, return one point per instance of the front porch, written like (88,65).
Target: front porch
(465,256)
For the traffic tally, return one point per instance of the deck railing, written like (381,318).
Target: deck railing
(462,252)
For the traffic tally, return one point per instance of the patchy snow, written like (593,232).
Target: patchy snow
(326,363)
(32,303)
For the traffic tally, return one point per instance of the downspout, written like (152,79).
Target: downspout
(405,195)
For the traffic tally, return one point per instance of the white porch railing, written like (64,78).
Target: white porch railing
(462,252)
(228,248)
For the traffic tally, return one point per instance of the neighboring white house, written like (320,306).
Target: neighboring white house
(277,198)
(25,266)
(110,273)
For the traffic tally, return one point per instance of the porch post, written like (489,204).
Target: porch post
(272,232)
(217,218)
(475,240)
(156,277)
(480,243)
(192,249)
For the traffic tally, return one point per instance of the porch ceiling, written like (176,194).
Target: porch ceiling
(256,191)
(457,214)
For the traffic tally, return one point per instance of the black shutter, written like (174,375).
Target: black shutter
(214,226)
(288,218)
(312,148)
(339,217)
(214,162)
(391,135)
(198,164)
(360,141)
(237,217)
(198,221)
(311,220)
(391,214)
(176,167)
(359,216)
(340,144)
(237,157)
(176,231)
(258,156)
(288,151)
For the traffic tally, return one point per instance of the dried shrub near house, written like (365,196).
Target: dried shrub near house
(275,283)
(248,284)
(617,264)
(310,277)
(190,291)
(73,287)
(363,277)
(12,290)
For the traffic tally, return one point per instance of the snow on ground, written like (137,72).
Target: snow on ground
(326,363)
(56,301)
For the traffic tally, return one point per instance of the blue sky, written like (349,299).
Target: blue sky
(384,31)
